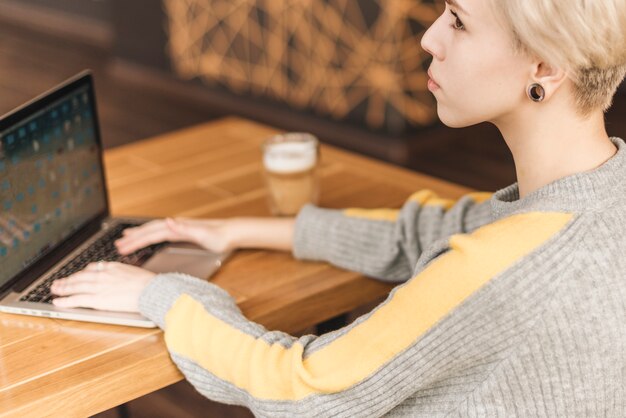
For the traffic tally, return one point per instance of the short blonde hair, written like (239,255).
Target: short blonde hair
(586,38)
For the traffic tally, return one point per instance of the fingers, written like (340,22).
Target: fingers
(179,229)
(131,244)
(87,281)
(75,301)
(81,282)
(142,236)
(113,286)
(148,226)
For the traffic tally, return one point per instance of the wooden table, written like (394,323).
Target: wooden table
(51,367)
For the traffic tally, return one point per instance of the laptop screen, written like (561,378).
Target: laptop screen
(51,179)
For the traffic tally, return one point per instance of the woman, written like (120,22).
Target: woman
(511,304)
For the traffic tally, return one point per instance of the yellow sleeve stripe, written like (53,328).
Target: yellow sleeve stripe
(428,197)
(274,372)
(264,370)
(425,197)
(480,197)
(390,215)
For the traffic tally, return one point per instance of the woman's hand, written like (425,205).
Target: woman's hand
(212,235)
(105,286)
(218,235)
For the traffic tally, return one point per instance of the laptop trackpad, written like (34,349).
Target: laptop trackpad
(182,259)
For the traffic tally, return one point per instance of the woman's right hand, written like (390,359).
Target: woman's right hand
(212,235)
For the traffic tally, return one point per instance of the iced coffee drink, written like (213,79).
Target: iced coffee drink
(290,163)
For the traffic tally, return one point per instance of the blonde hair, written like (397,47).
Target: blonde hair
(585,38)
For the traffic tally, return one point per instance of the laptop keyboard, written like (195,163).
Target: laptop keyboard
(103,249)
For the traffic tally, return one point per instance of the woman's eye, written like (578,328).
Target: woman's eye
(457,25)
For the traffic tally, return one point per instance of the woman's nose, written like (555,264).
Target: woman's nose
(429,42)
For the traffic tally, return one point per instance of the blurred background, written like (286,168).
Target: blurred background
(351,72)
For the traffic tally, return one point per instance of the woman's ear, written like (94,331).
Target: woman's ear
(550,77)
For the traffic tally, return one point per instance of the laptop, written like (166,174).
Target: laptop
(54,209)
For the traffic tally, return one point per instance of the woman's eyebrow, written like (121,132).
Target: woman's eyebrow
(456,4)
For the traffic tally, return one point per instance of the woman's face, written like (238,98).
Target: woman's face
(479,76)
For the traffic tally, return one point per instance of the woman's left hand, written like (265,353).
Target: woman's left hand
(108,286)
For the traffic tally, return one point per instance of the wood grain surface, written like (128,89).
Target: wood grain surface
(51,367)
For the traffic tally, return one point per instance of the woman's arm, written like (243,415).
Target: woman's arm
(219,235)
(380,243)
(386,243)
(414,343)
(265,233)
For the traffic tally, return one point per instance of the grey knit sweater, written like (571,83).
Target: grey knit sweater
(504,307)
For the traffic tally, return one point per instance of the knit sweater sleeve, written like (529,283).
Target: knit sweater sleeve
(366,368)
(386,243)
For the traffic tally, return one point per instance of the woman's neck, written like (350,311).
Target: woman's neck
(549,146)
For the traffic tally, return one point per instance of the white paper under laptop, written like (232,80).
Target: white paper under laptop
(54,211)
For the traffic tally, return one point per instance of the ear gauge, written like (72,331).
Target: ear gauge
(535,92)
